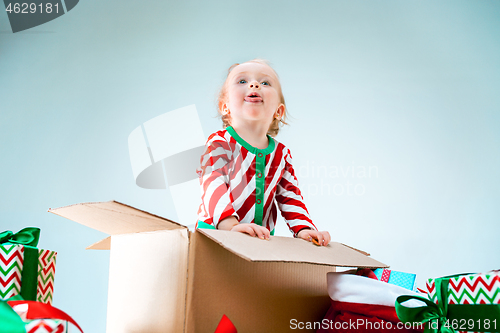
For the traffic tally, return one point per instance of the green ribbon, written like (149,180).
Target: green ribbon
(428,313)
(28,237)
(443,317)
(11,322)
(203,225)
(9,319)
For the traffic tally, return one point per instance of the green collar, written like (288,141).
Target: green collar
(249,147)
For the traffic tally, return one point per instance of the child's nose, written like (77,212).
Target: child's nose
(254,84)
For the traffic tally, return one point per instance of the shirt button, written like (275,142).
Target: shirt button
(260,155)
(259,175)
(258,201)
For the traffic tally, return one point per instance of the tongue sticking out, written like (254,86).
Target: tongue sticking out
(253,99)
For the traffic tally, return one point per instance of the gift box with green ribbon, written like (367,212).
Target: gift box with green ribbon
(20,316)
(457,303)
(24,269)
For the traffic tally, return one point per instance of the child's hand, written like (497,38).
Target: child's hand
(323,237)
(253,230)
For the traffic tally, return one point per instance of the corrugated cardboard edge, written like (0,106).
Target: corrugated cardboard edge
(381,265)
(355,249)
(190,270)
(158,216)
(52,210)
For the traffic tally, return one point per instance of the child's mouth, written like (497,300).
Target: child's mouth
(253,98)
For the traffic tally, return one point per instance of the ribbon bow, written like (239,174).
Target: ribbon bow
(431,311)
(27,236)
(441,316)
(428,313)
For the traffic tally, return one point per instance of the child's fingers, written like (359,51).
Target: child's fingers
(266,232)
(314,241)
(310,237)
(319,237)
(253,230)
(316,237)
(327,237)
(306,235)
(246,229)
(260,231)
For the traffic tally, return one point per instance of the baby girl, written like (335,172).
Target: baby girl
(245,173)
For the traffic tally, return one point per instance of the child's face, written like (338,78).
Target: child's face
(253,94)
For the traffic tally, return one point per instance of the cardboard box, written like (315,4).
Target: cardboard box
(163,278)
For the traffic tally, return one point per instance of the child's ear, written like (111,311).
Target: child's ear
(280,112)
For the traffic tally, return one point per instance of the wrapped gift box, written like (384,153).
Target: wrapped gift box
(405,280)
(43,325)
(47,326)
(20,316)
(25,269)
(470,289)
(463,303)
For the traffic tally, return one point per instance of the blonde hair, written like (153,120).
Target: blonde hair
(276,124)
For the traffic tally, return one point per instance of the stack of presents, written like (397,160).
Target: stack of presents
(164,278)
(27,286)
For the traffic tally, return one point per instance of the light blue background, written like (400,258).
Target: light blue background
(410,88)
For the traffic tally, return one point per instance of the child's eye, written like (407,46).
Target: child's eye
(242,81)
(265,83)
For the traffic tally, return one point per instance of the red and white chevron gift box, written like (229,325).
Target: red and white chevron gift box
(40,325)
(46,275)
(12,263)
(481,288)
(47,326)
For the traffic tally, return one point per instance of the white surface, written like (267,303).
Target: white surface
(187,199)
(359,289)
(147,282)
(174,132)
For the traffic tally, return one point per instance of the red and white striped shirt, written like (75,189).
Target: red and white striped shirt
(240,180)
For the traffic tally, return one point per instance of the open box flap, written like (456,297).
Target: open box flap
(114,218)
(287,249)
(103,244)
